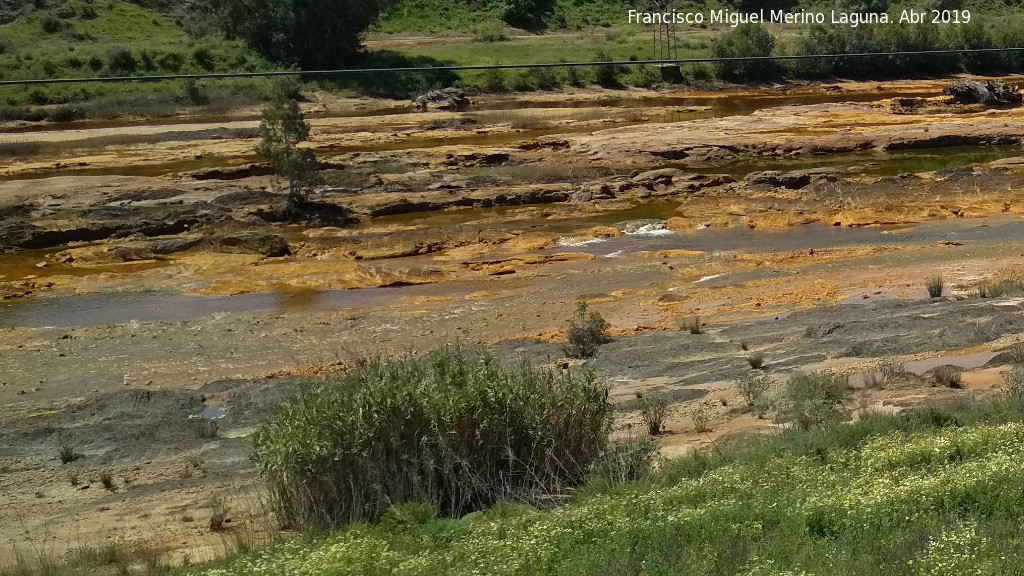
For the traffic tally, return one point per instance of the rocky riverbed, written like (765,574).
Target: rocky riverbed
(155,308)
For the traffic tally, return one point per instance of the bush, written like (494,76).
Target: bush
(490,32)
(68,454)
(934,287)
(544,78)
(587,331)
(754,390)
(575,76)
(402,517)
(194,93)
(121,61)
(454,429)
(1016,353)
(653,411)
(494,81)
(890,370)
(50,24)
(812,399)
(107,480)
(625,463)
(66,114)
(171,61)
(1013,382)
(994,289)
(607,75)
(203,57)
(747,40)
(701,417)
(756,360)
(645,77)
(948,376)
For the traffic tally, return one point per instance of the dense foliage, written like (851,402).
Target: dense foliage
(930,492)
(455,429)
(312,34)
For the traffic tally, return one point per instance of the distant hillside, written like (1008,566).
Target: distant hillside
(444,15)
(111,38)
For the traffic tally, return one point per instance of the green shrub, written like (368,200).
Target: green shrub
(756,360)
(575,76)
(121,61)
(522,81)
(747,40)
(607,75)
(50,23)
(587,331)
(988,289)
(493,31)
(402,517)
(203,58)
(1013,382)
(812,399)
(625,463)
(653,411)
(66,114)
(454,429)
(194,93)
(701,417)
(8,113)
(170,61)
(494,80)
(544,78)
(39,97)
(754,390)
(934,286)
(645,77)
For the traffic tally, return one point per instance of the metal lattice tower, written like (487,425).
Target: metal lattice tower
(666,45)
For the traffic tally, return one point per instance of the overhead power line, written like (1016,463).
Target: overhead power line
(426,70)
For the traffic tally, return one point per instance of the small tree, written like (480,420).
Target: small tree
(282,129)
(587,331)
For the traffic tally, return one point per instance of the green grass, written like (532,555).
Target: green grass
(932,491)
(113,38)
(434,16)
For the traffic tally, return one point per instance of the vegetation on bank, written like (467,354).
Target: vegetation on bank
(935,490)
(454,430)
(80,39)
(84,38)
